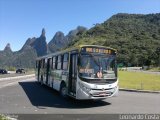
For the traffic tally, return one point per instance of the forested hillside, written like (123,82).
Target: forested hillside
(136,38)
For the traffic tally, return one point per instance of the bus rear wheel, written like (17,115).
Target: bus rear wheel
(63,91)
(41,82)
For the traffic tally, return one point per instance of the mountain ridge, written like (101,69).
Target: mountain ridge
(135,36)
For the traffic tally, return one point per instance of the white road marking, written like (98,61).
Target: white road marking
(17,77)
(15,82)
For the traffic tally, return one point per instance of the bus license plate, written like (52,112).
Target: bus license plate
(103,94)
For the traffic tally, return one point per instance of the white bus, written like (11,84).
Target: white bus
(85,72)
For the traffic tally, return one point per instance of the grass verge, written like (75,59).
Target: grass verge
(139,81)
(155,69)
(2,117)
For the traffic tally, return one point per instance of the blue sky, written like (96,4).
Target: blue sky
(21,19)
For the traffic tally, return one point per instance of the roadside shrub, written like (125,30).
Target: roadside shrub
(11,68)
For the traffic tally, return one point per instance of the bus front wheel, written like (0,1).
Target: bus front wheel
(63,91)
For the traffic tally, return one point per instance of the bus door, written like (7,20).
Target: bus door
(73,73)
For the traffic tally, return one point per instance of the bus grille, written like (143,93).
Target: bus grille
(101,93)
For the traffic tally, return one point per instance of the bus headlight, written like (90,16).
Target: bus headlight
(84,88)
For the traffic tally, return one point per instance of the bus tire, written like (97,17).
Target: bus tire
(63,90)
(41,80)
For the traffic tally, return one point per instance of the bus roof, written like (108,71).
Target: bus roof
(72,49)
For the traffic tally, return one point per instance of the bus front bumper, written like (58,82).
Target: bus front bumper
(97,94)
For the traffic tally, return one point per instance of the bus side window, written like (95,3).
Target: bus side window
(62,57)
(40,63)
(54,63)
(50,63)
(59,62)
(43,63)
(65,62)
(36,64)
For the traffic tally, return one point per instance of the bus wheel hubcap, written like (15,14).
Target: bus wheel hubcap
(64,91)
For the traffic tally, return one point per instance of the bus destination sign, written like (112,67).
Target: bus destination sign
(98,50)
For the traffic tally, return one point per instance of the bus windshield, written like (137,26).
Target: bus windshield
(97,66)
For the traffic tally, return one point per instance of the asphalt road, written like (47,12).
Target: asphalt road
(29,97)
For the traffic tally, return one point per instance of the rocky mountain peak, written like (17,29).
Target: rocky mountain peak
(57,42)
(59,33)
(28,43)
(59,36)
(8,48)
(40,44)
(43,32)
(61,41)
